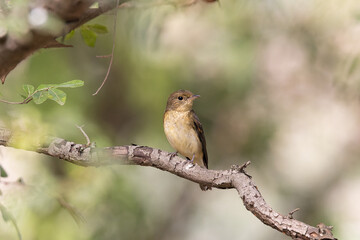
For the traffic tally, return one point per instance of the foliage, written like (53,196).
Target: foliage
(89,33)
(49,91)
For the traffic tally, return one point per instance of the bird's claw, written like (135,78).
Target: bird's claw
(192,159)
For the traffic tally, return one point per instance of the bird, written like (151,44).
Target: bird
(183,129)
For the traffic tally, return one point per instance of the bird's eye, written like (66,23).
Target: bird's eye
(180,98)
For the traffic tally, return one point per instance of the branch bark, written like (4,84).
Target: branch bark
(83,155)
(73,13)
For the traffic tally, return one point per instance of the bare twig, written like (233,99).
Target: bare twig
(88,142)
(152,4)
(112,52)
(28,98)
(83,155)
(76,215)
(290,215)
(103,56)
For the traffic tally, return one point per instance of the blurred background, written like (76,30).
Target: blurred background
(280,86)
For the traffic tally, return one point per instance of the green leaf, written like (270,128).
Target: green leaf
(57,95)
(46,86)
(71,84)
(40,97)
(3,173)
(28,89)
(98,28)
(69,35)
(7,216)
(88,36)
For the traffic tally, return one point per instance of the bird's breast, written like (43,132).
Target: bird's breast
(181,135)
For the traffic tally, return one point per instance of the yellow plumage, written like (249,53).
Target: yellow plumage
(181,135)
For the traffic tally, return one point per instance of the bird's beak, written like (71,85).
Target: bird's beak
(193,97)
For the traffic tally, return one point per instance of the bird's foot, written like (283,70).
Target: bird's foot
(192,159)
(191,164)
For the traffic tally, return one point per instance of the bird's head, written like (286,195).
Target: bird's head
(181,100)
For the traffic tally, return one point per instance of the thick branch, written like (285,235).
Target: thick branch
(83,155)
(73,13)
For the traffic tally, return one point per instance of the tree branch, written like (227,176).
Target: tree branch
(83,155)
(73,13)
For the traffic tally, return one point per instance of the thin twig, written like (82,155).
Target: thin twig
(152,4)
(112,52)
(84,133)
(290,215)
(103,56)
(8,102)
(26,100)
(76,214)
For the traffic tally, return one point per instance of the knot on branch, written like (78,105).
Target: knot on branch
(322,232)
(240,169)
(142,155)
(291,214)
(70,151)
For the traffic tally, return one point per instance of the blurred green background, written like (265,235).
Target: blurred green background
(280,85)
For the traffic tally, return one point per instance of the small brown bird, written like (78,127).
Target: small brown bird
(183,128)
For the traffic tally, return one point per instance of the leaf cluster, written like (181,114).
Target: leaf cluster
(49,91)
(89,33)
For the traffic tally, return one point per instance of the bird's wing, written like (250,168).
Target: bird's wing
(200,132)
